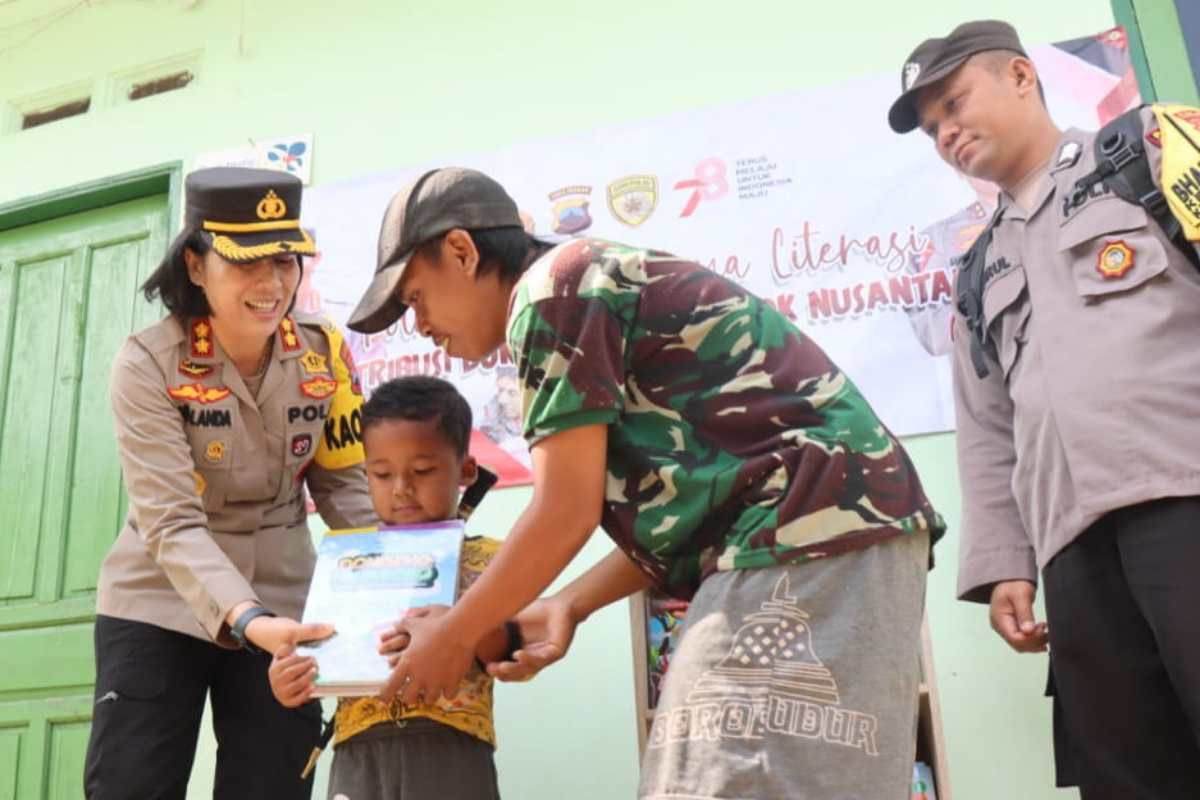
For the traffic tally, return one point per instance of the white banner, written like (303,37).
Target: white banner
(807,199)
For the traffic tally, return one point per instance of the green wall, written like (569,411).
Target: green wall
(381,84)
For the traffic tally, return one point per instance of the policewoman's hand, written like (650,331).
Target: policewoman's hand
(1011,615)
(274,633)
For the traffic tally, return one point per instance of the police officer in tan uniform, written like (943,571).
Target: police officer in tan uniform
(1077,388)
(225,412)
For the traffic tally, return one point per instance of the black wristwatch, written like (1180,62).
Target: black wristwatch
(238,629)
(515,640)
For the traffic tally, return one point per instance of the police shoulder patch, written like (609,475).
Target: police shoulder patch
(1115,260)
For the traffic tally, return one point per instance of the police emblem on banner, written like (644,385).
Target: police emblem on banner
(632,199)
(1115,260)
(570,210)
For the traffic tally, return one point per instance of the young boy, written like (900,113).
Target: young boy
(415,433)
(730,461)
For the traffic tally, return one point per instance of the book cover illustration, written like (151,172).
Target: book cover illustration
(364,581)
(664,615)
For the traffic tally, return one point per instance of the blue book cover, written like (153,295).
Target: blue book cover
(364,581)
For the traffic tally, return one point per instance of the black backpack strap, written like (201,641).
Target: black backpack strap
(1124,167)
(971,282)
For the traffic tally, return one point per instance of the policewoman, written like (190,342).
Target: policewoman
(1077,390)
(225,412)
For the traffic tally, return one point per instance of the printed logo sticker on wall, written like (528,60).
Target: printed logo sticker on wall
(707,184)
(632,199)
(570,210)
(290,154)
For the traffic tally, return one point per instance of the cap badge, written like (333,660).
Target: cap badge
(911,70)
(271,206)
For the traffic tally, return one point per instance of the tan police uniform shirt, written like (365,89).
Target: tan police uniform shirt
(1092,398)
(215,475)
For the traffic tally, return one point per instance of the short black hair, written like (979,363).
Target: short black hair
(422,398)
(503,249)
(171,283)
(995,61)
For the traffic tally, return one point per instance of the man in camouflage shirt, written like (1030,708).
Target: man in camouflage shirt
(727,457)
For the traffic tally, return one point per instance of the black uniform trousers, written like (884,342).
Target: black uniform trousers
(151,684)
(1123,608)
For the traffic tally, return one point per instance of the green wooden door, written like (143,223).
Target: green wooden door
(68,298)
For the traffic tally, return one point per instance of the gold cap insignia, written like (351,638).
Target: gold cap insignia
(271,206)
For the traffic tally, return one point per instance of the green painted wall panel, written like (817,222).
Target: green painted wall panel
(24,457)
(10,752)
(95,496)
(71,284)
(28,672)
(68,749)
(1165,51)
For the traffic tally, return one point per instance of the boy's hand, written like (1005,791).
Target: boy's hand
(547,628)
(1011,615)
(433,662)
(396,638)
(292,677)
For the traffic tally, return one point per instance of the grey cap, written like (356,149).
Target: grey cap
(934,59)
(437,202)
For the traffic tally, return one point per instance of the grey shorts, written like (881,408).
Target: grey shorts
(422,760)
(796,682)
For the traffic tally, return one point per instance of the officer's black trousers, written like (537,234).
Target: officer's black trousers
(1123,607)
(150,689)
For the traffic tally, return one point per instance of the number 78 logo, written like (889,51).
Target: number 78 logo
(708,184)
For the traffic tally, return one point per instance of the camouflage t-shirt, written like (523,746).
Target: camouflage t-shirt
(733,441)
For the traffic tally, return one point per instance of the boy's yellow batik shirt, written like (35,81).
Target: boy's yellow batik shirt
(470,711)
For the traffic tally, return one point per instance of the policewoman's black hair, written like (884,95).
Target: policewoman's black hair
(171,283)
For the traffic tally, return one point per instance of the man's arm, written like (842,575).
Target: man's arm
(568,496)
(996,561)
(995,546)
(548,625)
(612,579)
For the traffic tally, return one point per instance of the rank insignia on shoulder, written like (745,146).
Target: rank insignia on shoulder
(215,451)
(201,339)
(194,370)
(287,333)
(198,393)
(314,363)
(1068,154)
(201,484)
(318,388)
(1115,259)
